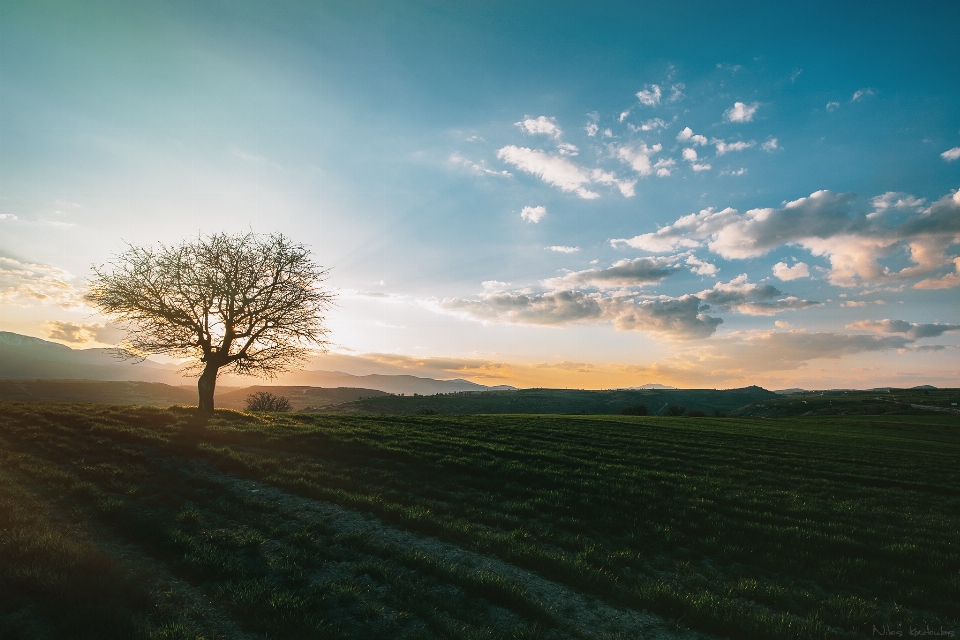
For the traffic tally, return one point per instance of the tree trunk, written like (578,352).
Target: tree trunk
(206,386)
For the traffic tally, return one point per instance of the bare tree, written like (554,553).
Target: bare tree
(249,304)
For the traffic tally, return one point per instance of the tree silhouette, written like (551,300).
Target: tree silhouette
(249,304)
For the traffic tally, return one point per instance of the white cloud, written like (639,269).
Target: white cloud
(947,281)
(591,128)
(638,156)
(26,284)
(678,318)
(563,249)
(734,172)
(623,273)
(833,106)
(623,115)
(533,214)
(701,167)
(723,147)
(607,133)
(951,154)
(539,126)
(770,145)
(783,324)
(567,149)
(859,94)
(626,187)
(8,216)
(687,135)
(827,224)
(700,267)
(912,330)
(894,200)
(663,167)
(690,155)
(653,124)
(786,273)
(478,168)
(555,170)
(676,92)
(650,96)
(752,299)
(741,112)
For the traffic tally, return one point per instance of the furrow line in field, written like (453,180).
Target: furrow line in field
(584,615)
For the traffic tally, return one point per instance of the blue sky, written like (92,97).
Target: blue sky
(502,189)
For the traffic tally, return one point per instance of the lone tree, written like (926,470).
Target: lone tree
(250,304)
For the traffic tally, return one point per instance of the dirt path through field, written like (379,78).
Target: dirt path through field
(583,615)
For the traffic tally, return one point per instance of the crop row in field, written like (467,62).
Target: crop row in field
(745,528)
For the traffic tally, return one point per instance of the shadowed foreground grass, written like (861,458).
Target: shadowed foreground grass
(142,522)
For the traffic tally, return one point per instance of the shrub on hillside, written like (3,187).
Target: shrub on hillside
(266,401)
(675,410)
(695,413)
(638,409)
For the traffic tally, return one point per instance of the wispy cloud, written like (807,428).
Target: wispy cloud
(559,248)
(951,154)
(833,106)
(724,147)
(623,273)
(912,330)
(770,145)
(860,94)
(478,168)
(26,284)
(555,170)
(638,156)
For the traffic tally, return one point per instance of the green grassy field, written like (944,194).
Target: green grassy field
(557,401)
(137,522)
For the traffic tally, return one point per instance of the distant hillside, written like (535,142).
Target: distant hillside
(26,358)
(23,357)
(405,384)
(562,401)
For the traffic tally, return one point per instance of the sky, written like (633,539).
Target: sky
(563,194)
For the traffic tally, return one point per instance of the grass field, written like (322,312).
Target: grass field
(137,522)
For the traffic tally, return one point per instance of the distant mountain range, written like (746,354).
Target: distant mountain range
(26,358)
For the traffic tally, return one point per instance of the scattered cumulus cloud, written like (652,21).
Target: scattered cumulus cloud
(563,249)
(741,112)
(826,224)
(860,94)
(533,214)
(676,92)
(539,126)
(749,298)
(700,267)
(638,156)
(786,273)
(687,135)
(649,96)
(567,149)
(664,166)
(833,106)
(623,115)
(951,154)
(8,216)
(734,172)
(651,125)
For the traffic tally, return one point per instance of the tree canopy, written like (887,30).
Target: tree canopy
(249,304)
